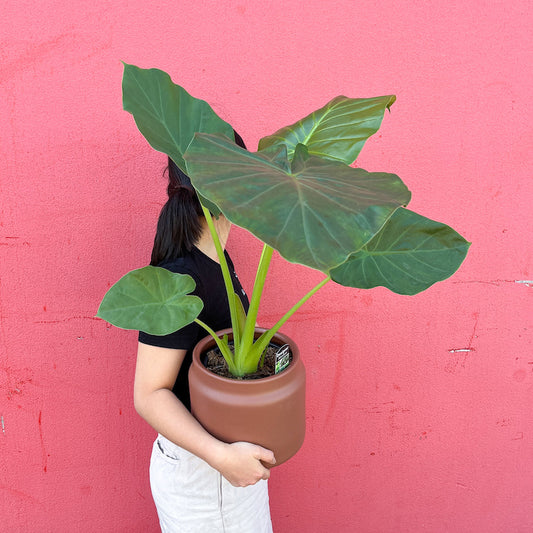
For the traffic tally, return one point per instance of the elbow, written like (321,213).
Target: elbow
(148,402)
(140,401)
(137,405)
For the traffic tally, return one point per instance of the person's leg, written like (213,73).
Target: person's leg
(191,497)
(245,510)
(185,490)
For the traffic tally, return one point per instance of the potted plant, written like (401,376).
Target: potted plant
(299,195)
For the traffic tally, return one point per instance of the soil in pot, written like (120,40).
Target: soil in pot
(215,362)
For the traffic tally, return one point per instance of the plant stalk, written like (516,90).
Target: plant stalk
(222,346)
(251,318)
(263,341)
(226,275)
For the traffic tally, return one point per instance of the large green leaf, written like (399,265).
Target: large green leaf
(408,255)
(165,113)
(336,131)
(151,299)
(313,211)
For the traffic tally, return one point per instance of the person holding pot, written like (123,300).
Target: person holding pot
(198,482)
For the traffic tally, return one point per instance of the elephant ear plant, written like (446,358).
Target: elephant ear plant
(298,194)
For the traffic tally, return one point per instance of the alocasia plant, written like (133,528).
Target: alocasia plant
(298,194)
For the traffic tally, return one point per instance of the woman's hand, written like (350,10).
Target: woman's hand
(240,463)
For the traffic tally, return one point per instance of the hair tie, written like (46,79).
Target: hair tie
(172,190)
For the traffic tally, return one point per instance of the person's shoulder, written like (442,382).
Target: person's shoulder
(195,265)
(180,265)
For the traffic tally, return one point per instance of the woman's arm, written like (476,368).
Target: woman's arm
(155,375)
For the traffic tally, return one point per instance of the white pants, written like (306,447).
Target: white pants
(190,496)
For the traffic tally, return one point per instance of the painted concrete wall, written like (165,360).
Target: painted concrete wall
(419,409)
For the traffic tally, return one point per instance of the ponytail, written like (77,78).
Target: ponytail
(179,226)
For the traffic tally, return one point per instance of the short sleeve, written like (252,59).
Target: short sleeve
(183,339)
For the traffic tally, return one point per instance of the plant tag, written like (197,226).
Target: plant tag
(282,358)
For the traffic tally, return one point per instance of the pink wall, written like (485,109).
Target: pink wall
(419,409)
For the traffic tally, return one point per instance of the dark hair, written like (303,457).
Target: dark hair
(179,225)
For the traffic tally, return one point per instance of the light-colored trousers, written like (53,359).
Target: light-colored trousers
(191,496)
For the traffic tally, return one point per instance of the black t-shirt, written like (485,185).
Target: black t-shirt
(211,289)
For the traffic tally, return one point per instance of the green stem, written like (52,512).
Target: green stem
(225,273)
(222,346)
(263,341)
(251,318)
(208,329)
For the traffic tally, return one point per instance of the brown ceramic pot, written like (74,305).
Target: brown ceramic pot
(268,411)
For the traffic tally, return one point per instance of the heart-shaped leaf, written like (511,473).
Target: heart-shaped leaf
(165,113)
(336,131)
(151,299)
(313,211)
(409,254)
